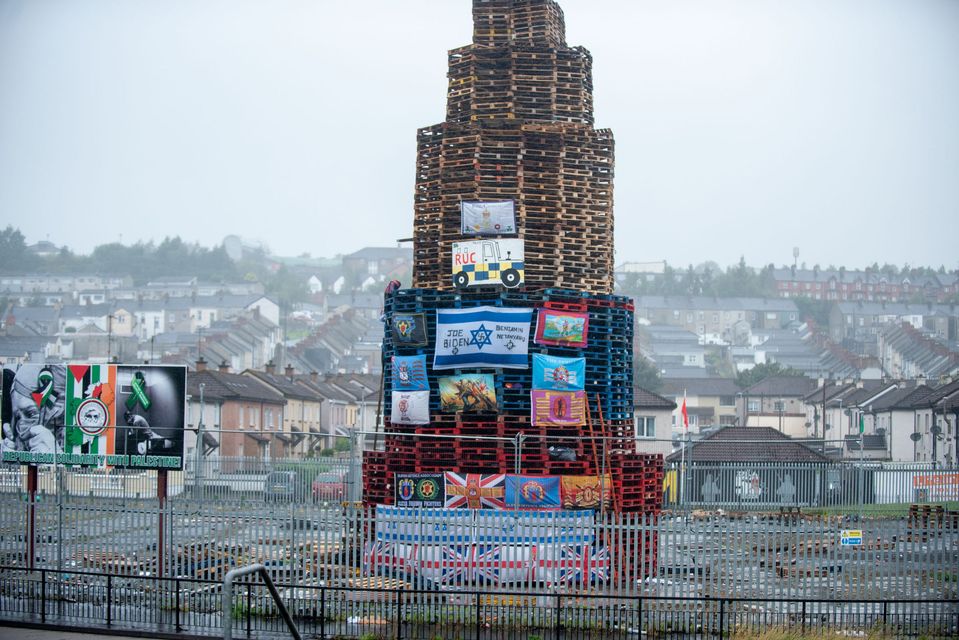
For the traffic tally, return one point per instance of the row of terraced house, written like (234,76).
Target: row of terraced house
(267,414)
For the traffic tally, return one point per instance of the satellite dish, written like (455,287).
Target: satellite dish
(915,437)
(936,429)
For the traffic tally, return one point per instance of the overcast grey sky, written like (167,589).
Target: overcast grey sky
(743,127)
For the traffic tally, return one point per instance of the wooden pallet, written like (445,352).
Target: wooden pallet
(519,126)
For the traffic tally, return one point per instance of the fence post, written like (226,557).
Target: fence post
(885,613)
(176,585)
(249,606)
(557,622)
(804,617)
(478,621)
(399,618)
(322,613)
(43,595)
(639,608)
(722,617)
(109,599)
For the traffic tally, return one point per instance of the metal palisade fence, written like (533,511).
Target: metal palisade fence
(737,544)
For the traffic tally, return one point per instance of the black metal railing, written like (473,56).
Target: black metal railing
(196,606)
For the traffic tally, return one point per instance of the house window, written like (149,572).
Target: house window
(779,406)
(753,406)
(240,422)
(726,420)
(727,401)
(645,427)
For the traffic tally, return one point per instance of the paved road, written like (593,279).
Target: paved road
(19,633)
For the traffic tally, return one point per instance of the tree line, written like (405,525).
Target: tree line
(143,261)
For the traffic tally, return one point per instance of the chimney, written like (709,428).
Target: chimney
(200,364)
(289,371)
(314,376)
(270,368)
(256,313)
(224,367)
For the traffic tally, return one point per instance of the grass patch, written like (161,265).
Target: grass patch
(874,510)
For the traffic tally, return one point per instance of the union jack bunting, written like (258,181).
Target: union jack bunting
(475,491)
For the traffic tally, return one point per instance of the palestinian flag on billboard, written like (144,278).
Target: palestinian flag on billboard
(90,406)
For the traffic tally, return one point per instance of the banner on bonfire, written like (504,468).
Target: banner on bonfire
(558,374)
(474,491)
(562,328)
(420,490)
(450,565)
(586,492)
(409,373)
(468,392)
(495,337)
(410,407)
(488,218)
(558,408)
(466,526)
(533,492)
(408,330)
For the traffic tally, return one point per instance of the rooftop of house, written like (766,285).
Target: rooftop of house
(231,386)
(782,386)
(750,445)
(708,303)
(700,387)
(645,399)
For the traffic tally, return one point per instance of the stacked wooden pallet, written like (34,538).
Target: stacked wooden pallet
(560,179)
(525,84)
(519,126)
(497,23)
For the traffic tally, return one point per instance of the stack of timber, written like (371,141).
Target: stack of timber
(519,126)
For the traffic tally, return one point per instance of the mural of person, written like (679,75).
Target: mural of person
(33,408)
(151,399)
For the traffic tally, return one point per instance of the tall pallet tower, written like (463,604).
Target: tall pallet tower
(513,213)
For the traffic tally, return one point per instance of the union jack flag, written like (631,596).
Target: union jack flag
(583,565)
(486,568)
(457,565)
(475,491)
(383,558)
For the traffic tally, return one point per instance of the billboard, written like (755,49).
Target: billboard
(94,415)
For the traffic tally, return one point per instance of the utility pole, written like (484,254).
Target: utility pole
(110,338)
(816,432)
(198,472)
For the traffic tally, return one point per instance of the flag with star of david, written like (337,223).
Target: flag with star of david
(496,337)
